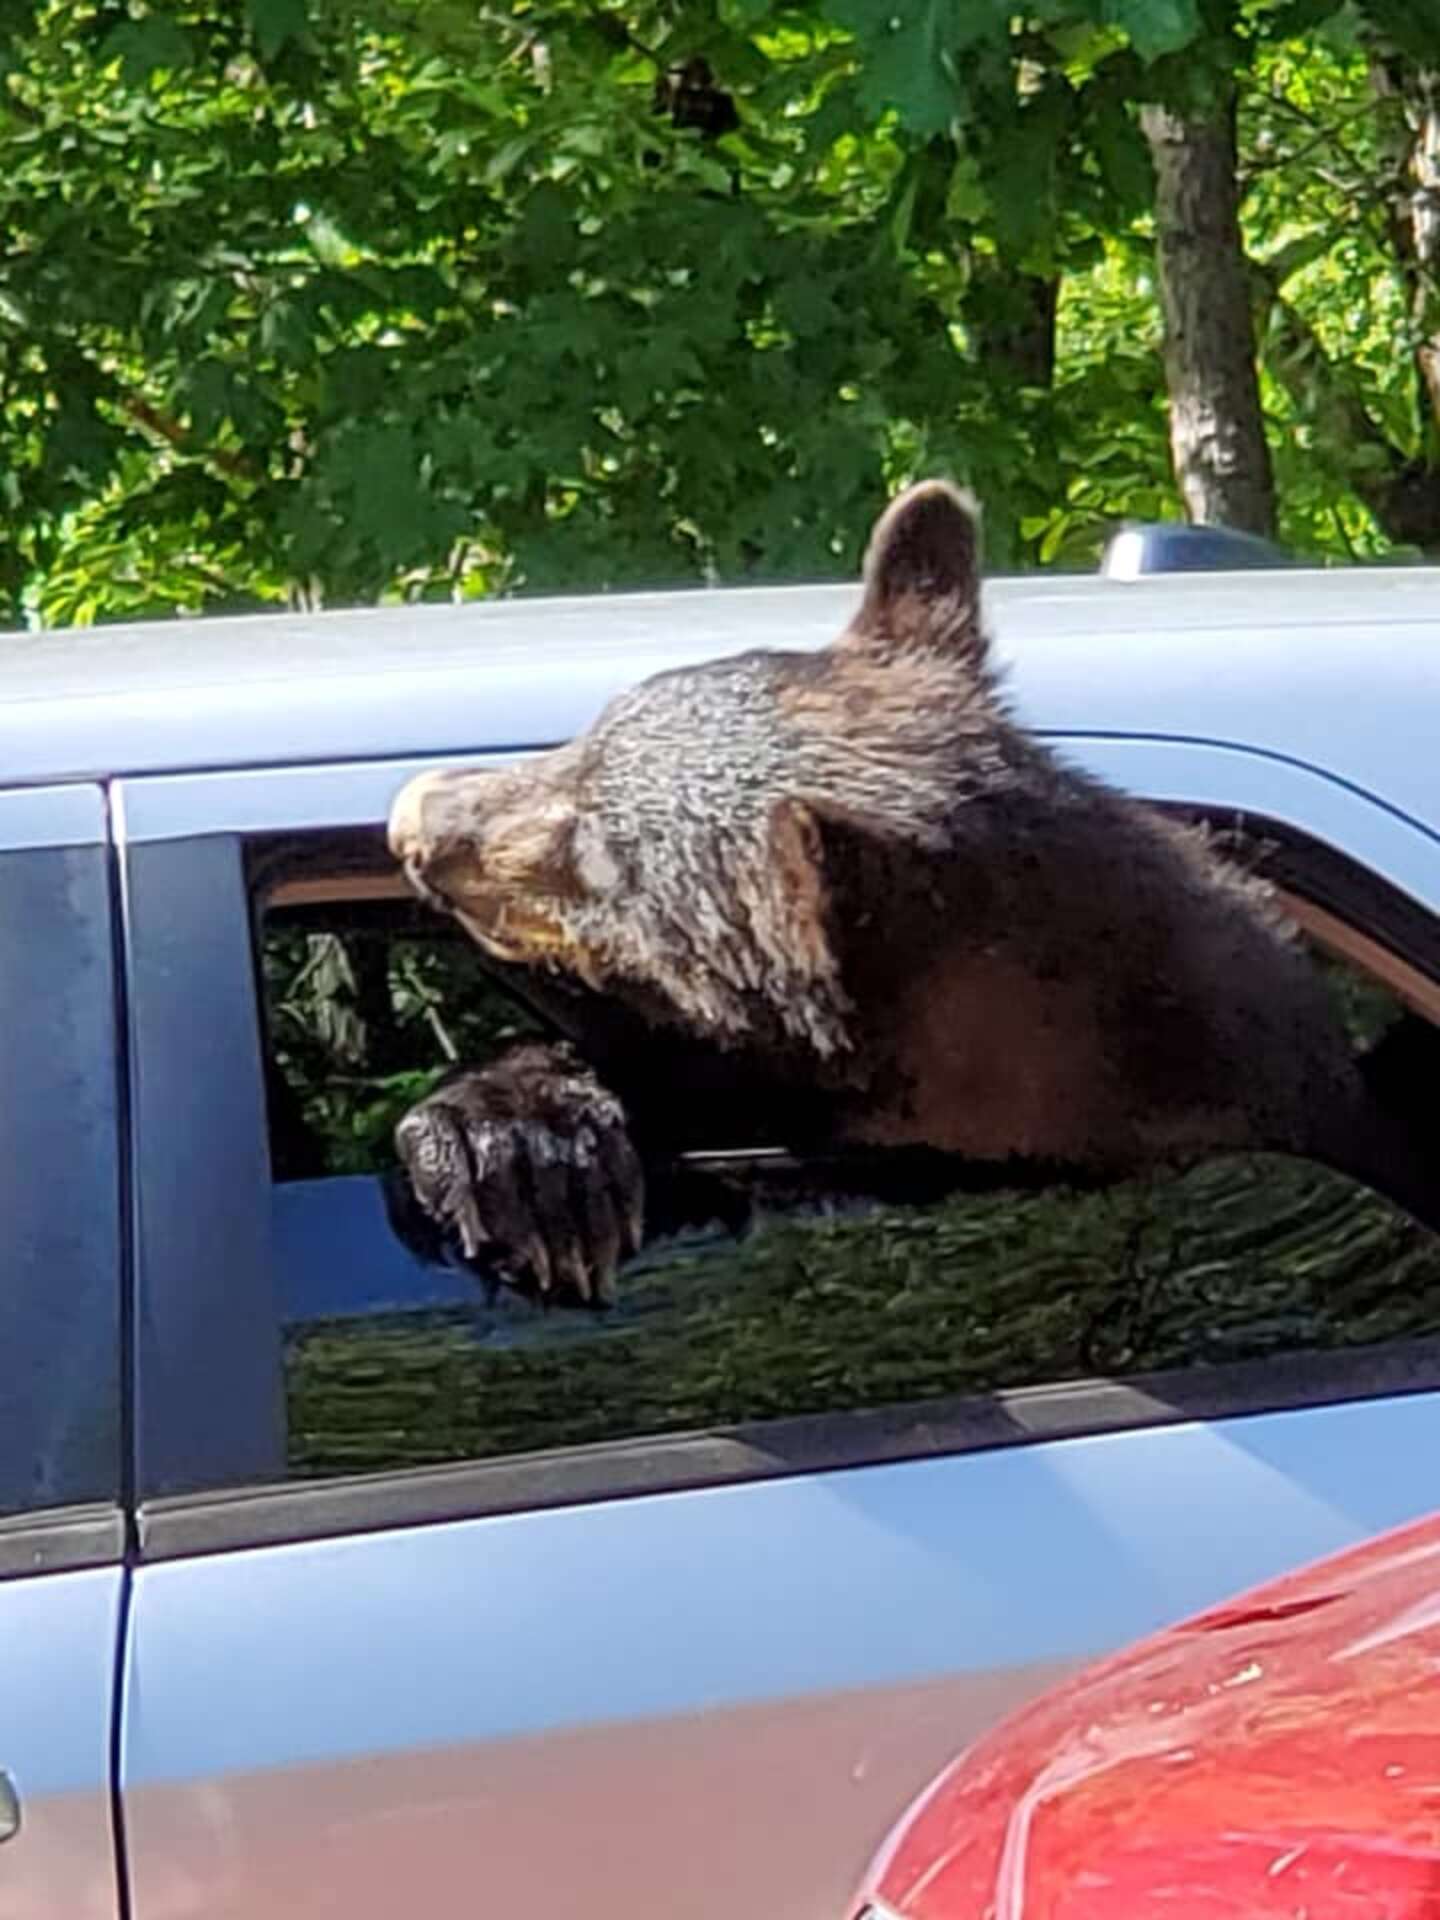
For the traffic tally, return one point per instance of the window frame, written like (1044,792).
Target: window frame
(185,861)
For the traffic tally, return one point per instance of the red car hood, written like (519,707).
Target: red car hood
(1277,1755)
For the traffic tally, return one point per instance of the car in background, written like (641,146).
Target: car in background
(1165,546)
(1275,1756)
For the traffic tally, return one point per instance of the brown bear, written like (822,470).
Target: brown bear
(840,903)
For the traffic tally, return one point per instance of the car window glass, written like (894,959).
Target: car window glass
(59,1183)
(829,1308)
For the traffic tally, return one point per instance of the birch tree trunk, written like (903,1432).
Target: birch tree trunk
(1415,214)
(1217,435)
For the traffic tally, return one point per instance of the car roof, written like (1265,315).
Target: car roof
(1339,670)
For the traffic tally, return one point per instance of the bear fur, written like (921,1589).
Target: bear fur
(839,902)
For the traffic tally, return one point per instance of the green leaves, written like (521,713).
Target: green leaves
(1411,26)
(1154,27)
(276,22)
(1021,167)
(912,54)
(404,298)
(1122,156)
(145,47)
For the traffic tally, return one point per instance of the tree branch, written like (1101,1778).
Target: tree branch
(174,435)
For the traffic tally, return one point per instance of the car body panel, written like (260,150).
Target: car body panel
(429,1667)
(641,1819)
(1265,661)
(1278,1755)
(58,1638)
(52,816)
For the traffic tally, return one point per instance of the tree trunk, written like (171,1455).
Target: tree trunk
(1425,231)
(1217,436)
(1415,213)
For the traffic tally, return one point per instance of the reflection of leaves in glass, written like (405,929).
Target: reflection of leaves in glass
(1239,1258)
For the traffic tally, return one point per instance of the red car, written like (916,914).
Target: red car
(1279,1755)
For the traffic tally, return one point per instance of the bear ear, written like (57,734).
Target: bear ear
(791,924)
(922,574)
(800,885)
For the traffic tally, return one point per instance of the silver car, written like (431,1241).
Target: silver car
(331,1585)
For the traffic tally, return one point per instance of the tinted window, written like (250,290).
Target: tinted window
(59,1183)
(833,1308)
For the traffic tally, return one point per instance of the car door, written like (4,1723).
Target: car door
(445,1607)
(62,1532)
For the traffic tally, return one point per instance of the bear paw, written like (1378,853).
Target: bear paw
(527,1170)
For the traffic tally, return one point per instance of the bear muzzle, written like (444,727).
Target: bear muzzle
(500,866)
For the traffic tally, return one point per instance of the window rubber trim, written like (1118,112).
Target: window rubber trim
(272,1516)
(62,1540)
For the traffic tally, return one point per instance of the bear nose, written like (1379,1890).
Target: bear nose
(412,844)
(406,828)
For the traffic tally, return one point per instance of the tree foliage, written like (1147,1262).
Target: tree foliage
(330,302)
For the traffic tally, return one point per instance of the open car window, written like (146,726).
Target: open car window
(833,1307)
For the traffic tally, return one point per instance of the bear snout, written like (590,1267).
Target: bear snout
(410,842)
